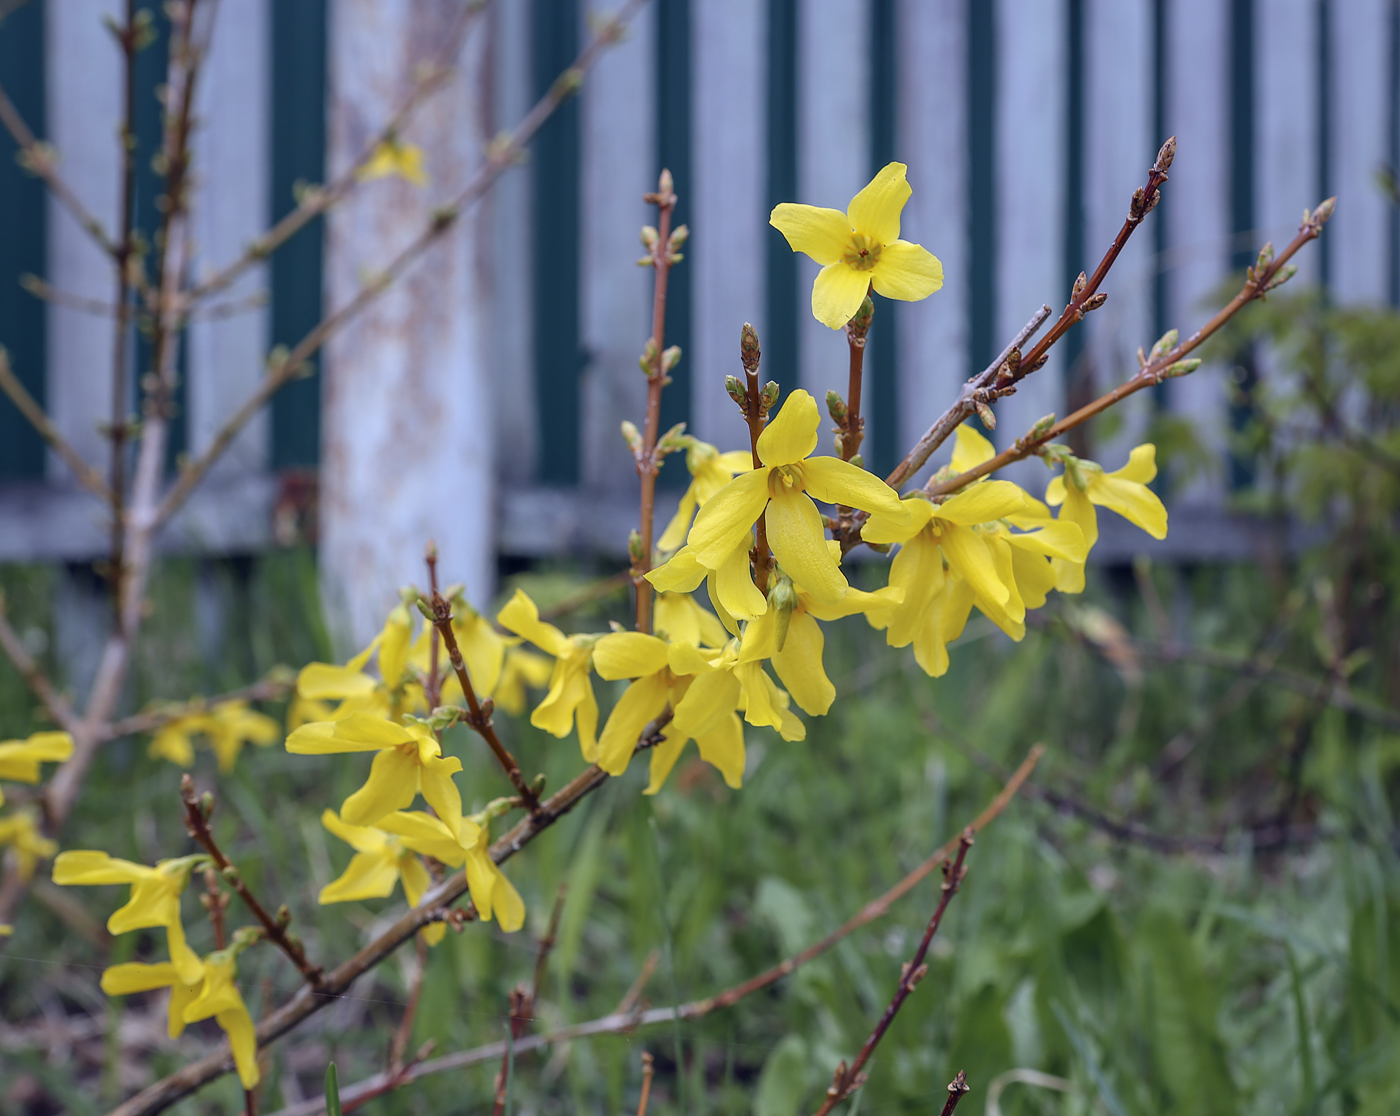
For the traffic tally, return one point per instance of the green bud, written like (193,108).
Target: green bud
(1043,425)
(781,598)
(736,390)
(769,396)
(635,550)
(632,436)
(649,238)
(836,407)
(749,352)
(670,358)
(678,237)
(1181,368)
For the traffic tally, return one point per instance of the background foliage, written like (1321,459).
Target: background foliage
(1235,975)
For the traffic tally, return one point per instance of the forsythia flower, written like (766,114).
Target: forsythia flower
(356,691)
(206,991)
(21,834)
(1124,491)
(229,726)
(154,901)
(393,157)
(409,760)
(783,491)
(491,892)
(680,619)
(860,248)
(483,651)
(710,471)
(520,669)
(20,759)
(661,674)
(570,696)
(380,861)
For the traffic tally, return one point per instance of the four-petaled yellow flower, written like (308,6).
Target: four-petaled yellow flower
(394,157)
(1124,491)
(380,861)
(19,832)
(206,990)
(710,471)
(229,726)
(154,901)
(679,618)
(20,759)
(860,248)
(570,696)
(783,491)
(492,893)
(409,760)
(660,672)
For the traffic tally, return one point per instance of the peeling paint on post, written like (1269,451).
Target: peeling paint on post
(407,406)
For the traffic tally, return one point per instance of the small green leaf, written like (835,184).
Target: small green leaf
(332,1091)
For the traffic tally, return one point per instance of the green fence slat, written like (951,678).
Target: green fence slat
(295,270)
(981,183)
(779,335)
(881,379)
(673,42)
(22,242)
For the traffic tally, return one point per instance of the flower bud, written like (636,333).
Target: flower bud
(749,352)
(836,407)
(1080,285)
(984,412)
(736,390)
(670,358)
(635,550)
(769,396)
(1165,344)
(649,238)
(632,436)
(781,598)
(678,238)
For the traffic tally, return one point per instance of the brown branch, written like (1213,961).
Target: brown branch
(663,256)
(852,426)
(38,158)
(626,1018)
(478,715)
(307,1001)
(966,405)
(197,822)
(1155,371)
(957,1089)
(647,1070)
(34,677)
(503,154)
(432,686)
(848,1079)
(273,688)
(316,202)
(215,902)
(37,418)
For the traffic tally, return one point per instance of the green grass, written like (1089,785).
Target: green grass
(1227,983)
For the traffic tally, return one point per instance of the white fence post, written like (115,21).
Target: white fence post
(932,135)
(730,161)
(833,127)
(407,398)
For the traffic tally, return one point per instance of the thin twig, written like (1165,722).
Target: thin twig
(502,156)
(317,201)
(625,1019)
(197,822)
(54,703)
(957,1089)
(37,418)
(755,408)
(432,685)
(647,1070)
(847,1079)
(38,158)
(215,902)
(478,715)
(1154,372)
(648,460)
(965,407)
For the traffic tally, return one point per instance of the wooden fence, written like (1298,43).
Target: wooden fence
(1026,124)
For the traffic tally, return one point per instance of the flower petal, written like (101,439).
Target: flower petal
(888,529)
(970,556)
(439,791)
(917,570)
(134,976)
(361,838)
(1057,538)
(723,749)
(798,540)
(680,574)
(834,481)
(792,433)
(639,705)
(628,655)
(734,586)
(1141,466)
(821,233)
(971,449)
(243,1041)
(367,876)
(1134,502)
(725,522)
(521,616)
(88,866)
(908,272)
(392,785)
(837,293)
(799,665)
(709,698)
(875,210)
(982,503)
(326,681)
(663,758)
(674,535)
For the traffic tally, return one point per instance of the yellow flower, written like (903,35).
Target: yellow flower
(395,691)
(208,991)
(520,669)
(483,651)
(680,619)
(660,672)
(794,642)
(710,471)
(380,861)
(393,157)
(409,761)
(1124,491)
(570,696)
(21,834)
(154,900)
(229,725)
(491,892)
(20,759)
(860,248)
(783,491)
